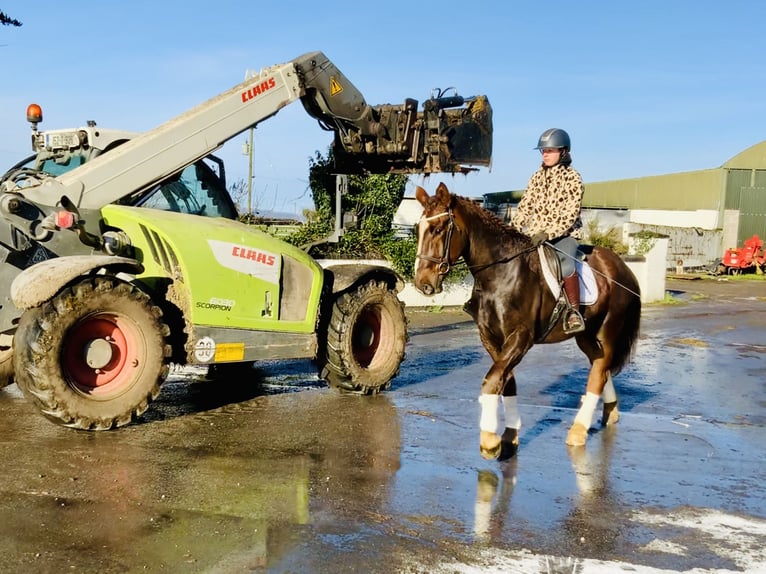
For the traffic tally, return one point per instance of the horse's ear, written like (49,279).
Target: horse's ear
(442,194)
(421,195)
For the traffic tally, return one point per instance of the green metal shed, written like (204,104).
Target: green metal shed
(736,190)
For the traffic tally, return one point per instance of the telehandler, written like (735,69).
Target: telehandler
(122,254)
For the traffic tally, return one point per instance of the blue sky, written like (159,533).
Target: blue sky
(643,88)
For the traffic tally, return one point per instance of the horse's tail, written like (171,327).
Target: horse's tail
(624,346)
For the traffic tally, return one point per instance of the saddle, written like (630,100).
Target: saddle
(551,267)
(552,272)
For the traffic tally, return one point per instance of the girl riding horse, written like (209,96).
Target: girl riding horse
(512,306)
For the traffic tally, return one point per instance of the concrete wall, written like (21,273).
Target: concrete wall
(650,271)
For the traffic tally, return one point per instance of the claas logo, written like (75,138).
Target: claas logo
(258,89)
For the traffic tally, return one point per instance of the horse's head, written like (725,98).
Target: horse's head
(440,240)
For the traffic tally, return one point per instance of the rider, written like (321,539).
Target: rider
(549,210)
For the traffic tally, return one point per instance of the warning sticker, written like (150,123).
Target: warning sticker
(335,87)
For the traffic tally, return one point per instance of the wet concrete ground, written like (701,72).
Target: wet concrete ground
(276,473)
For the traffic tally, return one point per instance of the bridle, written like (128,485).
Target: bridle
(443,263)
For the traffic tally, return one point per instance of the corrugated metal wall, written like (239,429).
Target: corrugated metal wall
(746,192)
(752,213)
(685,191)
(736,179)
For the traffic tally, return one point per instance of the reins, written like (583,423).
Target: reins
(503,260)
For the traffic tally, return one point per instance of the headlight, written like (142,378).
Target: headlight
(117,243)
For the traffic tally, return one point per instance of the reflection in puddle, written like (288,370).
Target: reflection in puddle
(493,498)
(225,490)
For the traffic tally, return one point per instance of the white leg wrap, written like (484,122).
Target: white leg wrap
(512,418)
(609,395)
(587,408)
(489,404)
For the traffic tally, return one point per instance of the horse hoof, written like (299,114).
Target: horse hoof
(578,435)
(610,415)
(490,445)
(509,443)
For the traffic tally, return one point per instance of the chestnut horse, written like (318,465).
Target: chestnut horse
(514,309)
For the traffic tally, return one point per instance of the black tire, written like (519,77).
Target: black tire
(101,321)
(6,366)
(365,339)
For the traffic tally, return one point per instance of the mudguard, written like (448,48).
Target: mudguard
(42,281)
(346,275)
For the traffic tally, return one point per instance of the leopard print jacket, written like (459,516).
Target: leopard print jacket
(551,203)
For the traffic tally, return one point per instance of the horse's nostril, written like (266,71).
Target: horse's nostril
(428,289)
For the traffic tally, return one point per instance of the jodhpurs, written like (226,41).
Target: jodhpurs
(566,249)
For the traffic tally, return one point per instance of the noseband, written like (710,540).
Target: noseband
(443,264)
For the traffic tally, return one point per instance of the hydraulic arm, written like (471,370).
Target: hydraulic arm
(450,134)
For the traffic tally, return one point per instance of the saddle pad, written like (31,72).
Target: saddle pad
(588,287)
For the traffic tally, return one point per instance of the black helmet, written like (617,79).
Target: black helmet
(554,137)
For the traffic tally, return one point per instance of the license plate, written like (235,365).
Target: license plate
(62,140)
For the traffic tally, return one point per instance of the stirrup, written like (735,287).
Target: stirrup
(573,322)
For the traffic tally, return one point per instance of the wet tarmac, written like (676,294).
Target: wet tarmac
(273,472)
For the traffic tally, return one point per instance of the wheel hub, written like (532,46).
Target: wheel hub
(98,353)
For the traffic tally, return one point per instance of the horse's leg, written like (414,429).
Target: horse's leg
(510,438)
(609,415)
(500,380)
(600,356)
(489,440)
(493,445)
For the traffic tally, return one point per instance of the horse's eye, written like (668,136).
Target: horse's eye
(438,230)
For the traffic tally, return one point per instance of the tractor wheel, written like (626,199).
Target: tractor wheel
(365,339)
(6,366)
(94,356)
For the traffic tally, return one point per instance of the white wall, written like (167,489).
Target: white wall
(702,218)
(651,271)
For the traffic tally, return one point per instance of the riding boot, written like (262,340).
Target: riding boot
(573,321)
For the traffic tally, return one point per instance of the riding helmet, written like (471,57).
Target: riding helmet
(554,138)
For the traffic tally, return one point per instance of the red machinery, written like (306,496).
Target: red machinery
(750,257)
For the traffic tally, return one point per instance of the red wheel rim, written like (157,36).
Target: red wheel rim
(366,336)
(118,371)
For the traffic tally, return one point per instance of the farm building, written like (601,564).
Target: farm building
(702,213)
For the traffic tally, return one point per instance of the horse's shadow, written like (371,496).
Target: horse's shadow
(423,364)
(567,390)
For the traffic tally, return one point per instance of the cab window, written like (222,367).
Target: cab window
(196,190)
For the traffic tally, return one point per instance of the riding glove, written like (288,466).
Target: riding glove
(539,238)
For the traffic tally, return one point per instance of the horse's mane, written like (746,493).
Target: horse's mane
(488,220)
